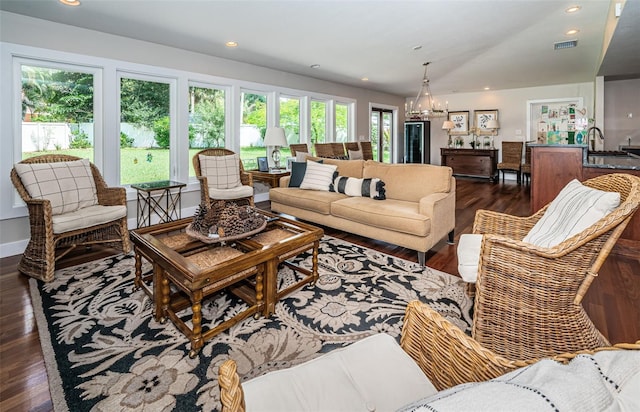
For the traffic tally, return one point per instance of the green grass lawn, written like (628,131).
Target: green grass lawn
(148,165)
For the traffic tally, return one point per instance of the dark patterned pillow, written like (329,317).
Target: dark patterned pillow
(351,186)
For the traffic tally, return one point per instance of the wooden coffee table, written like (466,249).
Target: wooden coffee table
(246,267)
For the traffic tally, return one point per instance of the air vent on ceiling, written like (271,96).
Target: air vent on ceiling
(565,44)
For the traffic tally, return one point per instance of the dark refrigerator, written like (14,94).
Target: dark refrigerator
(417,141)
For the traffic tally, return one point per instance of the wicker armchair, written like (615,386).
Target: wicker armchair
(48,244)
(511,158)
(446,355)
(207,192)
(367,150)
(528,298)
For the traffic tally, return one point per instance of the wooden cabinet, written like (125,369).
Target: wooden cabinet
(471,162)
(552,167)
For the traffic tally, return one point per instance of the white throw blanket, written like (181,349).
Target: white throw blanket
(606,381)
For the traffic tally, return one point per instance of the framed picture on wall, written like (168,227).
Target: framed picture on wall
(481,118)
(460,123)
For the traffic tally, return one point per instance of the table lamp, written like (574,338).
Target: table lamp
(275,137)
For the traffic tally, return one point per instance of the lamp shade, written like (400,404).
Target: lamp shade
(275,137)
(493,124)
(448,125)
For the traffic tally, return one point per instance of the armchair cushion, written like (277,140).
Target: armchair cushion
(574,209)
(373,374)
(355,155)
(87,217)
(468,256)
(69,186)
(222,172)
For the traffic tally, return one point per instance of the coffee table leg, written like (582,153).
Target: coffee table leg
(138,265)
(314,263)
(271,286)
(161,293)
(196,319)
(260,306)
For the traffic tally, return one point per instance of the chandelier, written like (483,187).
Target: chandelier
(424,106)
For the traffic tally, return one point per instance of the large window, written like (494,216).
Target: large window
(207,126)
(342,122)
(253,128)
(290,118)
(57,110)
(318,121)
(145,130)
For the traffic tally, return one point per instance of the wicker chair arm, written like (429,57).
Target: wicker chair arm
(445,354)
(231,395)
(204,190)
(515,227)
(246,178)
(112,196)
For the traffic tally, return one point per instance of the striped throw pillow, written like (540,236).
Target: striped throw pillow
(574,209)
(318,176)
(352,186)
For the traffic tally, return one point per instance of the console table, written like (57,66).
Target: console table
(471,162)
(167,206)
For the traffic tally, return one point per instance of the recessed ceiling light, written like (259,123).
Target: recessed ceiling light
(487,88)
(231,44)
(573,9)
(365,79)
(572,32)
(315,66)
(70,2)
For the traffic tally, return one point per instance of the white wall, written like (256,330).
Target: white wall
(512,110)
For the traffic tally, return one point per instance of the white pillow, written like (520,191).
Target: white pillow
(355,155)
(318,176)
(69,186)
(302,156)
(222,172)
(574,209)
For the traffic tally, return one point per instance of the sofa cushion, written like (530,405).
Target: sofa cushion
(600,382)
(349,168)
(574,209)
(69,186)
(313,200)
(87,217)
(395,215)
(432,179)
(352,186)
(318,176)
(373,374)
(222,172)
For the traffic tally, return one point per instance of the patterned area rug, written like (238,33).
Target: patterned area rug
(104,351)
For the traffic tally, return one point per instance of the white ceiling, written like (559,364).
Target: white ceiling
(501,44)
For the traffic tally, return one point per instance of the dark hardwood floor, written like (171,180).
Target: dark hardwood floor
(613,300)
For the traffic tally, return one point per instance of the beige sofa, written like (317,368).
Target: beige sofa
(418,212)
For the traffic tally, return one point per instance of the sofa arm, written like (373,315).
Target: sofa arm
(284,181)
(446,355)
(441,208)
